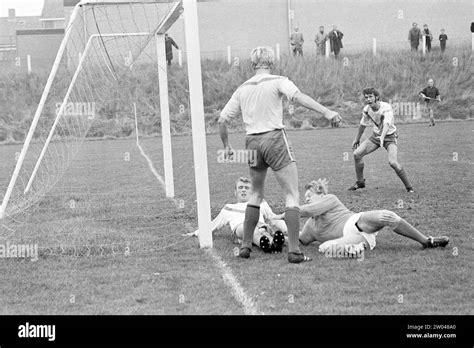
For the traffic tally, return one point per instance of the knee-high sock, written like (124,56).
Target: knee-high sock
(407,230)
(252,214)
(292,219)
(359,167)
(402,175)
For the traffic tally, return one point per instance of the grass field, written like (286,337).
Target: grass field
(137,262)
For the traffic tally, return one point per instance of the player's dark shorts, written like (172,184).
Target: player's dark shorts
(389,139)
(271,149)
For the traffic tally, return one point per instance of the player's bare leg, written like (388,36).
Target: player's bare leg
(287,177)
(364,149)
(375,220)
(252,212)
(392,150)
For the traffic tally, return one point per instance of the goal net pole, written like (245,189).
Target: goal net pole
(165,114)
(193,53)
(38,112)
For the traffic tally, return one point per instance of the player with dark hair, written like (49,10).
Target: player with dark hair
(384,134)
(338,228)
(259,100)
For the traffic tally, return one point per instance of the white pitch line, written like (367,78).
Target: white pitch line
(150,164)
(250,308)
(230,280)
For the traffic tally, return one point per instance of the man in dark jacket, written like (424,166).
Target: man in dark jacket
(428,37)
(169,42)
(414,37)
(335,39)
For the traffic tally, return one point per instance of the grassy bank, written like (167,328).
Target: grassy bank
(399,75)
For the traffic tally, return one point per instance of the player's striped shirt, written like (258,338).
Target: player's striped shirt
(328,217)
(234,215)
(370,117)
(260,99)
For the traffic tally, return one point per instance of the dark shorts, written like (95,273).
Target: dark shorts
(272,149)
(389,139)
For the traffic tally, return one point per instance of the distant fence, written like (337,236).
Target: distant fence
(18,58)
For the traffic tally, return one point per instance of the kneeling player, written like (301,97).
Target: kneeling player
(336,227)
(234,215)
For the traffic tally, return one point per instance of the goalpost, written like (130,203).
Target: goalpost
(93,59)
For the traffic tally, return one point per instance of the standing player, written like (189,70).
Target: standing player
(338,228)
(380,114)
(431,96)
(260,101)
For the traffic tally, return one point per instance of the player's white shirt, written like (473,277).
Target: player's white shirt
(386,111)
(260,101)
(234,215)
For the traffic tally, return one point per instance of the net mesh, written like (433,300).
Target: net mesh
(93,197)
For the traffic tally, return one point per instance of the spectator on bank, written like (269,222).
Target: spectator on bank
(442,40)
(414,37)
(428,37)
(335,39)
(297,40)
(320,40)
(169,43)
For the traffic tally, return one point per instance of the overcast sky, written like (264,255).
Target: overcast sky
(23,7)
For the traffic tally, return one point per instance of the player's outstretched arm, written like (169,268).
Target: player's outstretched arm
(316,209)
(385,127)
(231,109)
(274,220)
(310,103)
(224,134)
(220,221)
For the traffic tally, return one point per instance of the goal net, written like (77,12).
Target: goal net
(69,194)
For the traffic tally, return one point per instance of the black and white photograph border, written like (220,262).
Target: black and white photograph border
(136,138)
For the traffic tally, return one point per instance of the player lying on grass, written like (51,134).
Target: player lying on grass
(260,101)
(234,215)
(336,227)
(384,134)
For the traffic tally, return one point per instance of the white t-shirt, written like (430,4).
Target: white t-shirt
(386,111)
(260,101)
(234,215)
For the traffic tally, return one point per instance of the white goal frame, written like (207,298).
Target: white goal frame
(196,107)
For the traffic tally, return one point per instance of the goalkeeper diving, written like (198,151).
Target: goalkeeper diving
(270,231)
(337,228)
